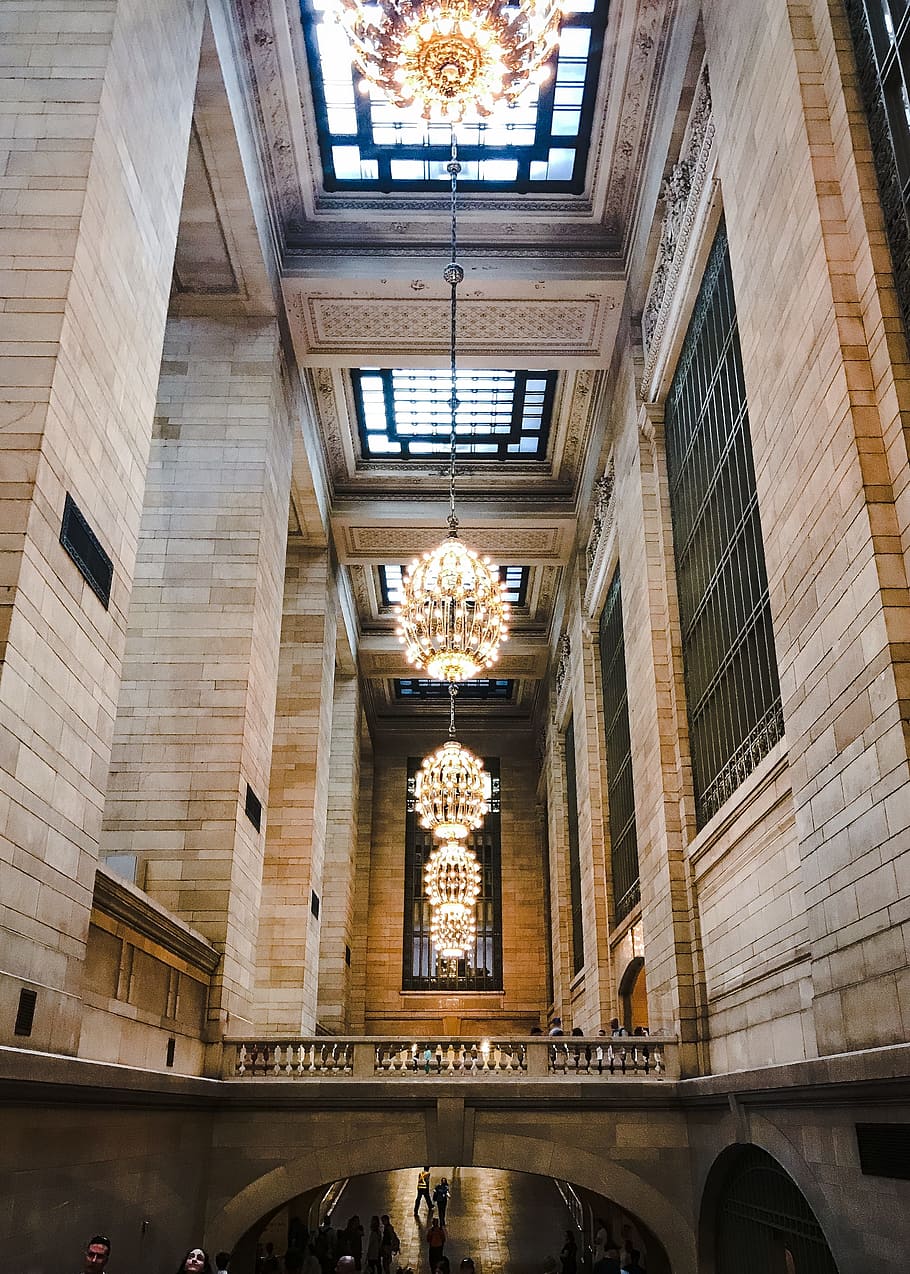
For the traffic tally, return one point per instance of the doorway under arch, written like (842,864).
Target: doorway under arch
(756,1220)
(633,995)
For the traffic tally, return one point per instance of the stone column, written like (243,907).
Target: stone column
(337,911)
(194,724)
(288,944)
(97,108)
(558,872)
(360,954)
(827,381)
(659,735)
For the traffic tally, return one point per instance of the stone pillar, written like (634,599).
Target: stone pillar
(194,724)
(659,734)
(288,943)
(337,912)
(558,873)
(96,117)
(827,379)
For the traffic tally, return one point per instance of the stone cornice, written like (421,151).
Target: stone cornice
(122,901)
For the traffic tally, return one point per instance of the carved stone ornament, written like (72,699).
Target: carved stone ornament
(680,194)
(562,667)
(603,510)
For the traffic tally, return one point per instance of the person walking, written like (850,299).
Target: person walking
(389,1245)
(441,1199)
(423,1191)
(436,1241)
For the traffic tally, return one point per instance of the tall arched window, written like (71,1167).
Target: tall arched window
(481,970)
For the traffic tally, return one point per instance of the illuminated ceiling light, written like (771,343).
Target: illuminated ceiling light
(452,876)
(451,792)
(451,59)
(453,613)
(453,930)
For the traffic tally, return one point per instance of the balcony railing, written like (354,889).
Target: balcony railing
(395,1058)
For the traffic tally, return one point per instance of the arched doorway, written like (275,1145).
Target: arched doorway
(633,995)
(756,1220)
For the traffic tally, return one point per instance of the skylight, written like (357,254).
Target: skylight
(414,688)
(514,577)
(406,413)
(539,143)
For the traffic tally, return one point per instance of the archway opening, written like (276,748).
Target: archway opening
(506,1221)
(756,1220)
(633,996)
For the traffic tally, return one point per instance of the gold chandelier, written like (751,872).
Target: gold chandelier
(452,876)
(450,59)
(450,797)
(452,616)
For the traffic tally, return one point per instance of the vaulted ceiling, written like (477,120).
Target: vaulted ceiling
(355,273)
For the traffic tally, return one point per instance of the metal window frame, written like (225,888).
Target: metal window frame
(383,154)
(481,690)
(486,843)
(730,664)
(618,750)
(464,445)
(889,134)
(578,929)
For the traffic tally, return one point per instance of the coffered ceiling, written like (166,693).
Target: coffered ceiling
(355,275)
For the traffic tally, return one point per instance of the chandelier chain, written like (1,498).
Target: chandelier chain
(454,275)
(453,691)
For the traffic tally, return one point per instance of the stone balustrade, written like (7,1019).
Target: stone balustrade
(600,1059)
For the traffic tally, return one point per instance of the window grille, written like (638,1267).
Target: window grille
(762,1216)
(732,688)
(881,40)
(481,970)
(540,143)
(618,745)
(578,933)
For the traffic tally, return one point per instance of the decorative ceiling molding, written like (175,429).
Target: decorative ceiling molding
(505,542)
(548,325)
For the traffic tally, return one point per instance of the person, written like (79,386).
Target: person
(443,1267)
(311,1262)
(297,1234)
(354,1235)
(436,1241)
(344,1265)
(615,1028)
(222,1259)
(374,1238)
(601,1236)
(423,1191)
(271,1264)
(293,1261)
(569,1254)
(195,1262)
(631,1263)
(441,1199)
(609,1262)
(556,1028)
(389,1244)
(466,1266)
(96,1254)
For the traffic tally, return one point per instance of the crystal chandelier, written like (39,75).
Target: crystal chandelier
(451,58)
(450,796)
(452,876)
(452,616)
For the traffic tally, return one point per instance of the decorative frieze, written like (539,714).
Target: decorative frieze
(562,667)
(603,511)
(681,196)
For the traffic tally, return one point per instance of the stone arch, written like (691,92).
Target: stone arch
(781,1150)
(514,1153)
(632,991)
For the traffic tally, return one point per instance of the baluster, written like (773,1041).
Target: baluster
(439,1056)
(276,1060)
(240,1064)
(288,1058)
(298,1053)
(311,1058)
(658,1062)
(450,1054)
(509,1056)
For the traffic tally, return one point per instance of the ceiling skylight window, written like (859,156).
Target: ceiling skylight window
(515,579)
(486,689)
(539,142)
(406,414)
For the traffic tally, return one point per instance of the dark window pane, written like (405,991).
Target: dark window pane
(482,969)
(618,747)
(732,690)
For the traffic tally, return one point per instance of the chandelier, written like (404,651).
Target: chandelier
(452,876)
(453,615)
(450,797)
(450,59)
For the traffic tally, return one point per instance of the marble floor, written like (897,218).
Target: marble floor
(508,1222)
